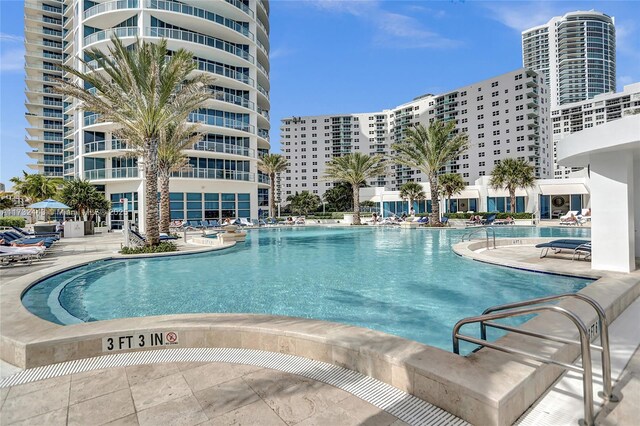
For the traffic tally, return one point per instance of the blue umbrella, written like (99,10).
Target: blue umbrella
(48,204)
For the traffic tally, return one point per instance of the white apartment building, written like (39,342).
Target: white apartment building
(577,116)
(44,114)
(228,38)
(505,117)
(576,53)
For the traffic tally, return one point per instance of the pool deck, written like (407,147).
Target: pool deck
(407,365)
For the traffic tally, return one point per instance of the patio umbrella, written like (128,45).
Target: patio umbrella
(48,204)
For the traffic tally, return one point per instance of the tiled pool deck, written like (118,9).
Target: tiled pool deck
(295,401)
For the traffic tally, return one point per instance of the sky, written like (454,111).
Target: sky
(334,57)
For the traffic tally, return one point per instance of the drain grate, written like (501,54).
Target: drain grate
(404,406)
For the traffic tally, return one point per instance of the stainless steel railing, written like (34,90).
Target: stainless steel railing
(534,306)
(486,229)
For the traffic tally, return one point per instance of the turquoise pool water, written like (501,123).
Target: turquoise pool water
(404,282)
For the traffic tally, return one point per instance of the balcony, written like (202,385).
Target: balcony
(173,6)
(241,6)
(224,148)
(196,173)
(232,99)
(220,70)
(220,122)
(108,33)
(199,39)
(109,6)
(119,173)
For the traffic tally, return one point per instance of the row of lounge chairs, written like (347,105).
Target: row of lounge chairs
(573,218)
(214,223)
(20,246)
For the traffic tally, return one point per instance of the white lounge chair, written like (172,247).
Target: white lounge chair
(568,215)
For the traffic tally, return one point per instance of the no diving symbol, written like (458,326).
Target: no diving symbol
(172,337)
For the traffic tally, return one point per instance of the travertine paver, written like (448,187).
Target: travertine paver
(186,394)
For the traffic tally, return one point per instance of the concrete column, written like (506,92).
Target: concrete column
(636,194)
(612,202)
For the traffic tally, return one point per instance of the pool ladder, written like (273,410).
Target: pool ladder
(536,306)
(486,229)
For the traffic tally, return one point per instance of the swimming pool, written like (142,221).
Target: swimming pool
(404,282)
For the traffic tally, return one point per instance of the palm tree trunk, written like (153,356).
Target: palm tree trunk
(434,217)
(512,195)
(165,210)
(151,192)
(356,204)
(272,195)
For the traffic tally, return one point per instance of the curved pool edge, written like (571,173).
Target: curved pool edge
(485,387)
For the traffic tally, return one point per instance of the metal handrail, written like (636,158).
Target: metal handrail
(525,308)
(484,228)
(603,327)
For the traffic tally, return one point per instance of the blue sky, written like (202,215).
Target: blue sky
(330,56)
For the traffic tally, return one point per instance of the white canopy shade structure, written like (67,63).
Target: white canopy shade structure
(563,189)
(466,193)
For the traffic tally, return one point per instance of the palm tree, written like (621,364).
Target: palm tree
(303,203)
(36,187)
(171,157)
(429,150)
(510,174)
(83,197)
(143,90)
(273,164)
(355,168)
(412,191)
(339,198)
(450,184)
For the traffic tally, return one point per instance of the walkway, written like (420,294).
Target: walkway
(185,394)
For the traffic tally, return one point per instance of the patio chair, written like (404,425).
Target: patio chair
(568,215)
(139,239)
(11,255)
(577,246)
(243,221)
(213,223)
(572,221)
(12,237)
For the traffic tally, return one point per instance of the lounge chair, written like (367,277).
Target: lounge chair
(572,221)
(140,239)
(489,219)
(213,223)
(568,215)
(25,233)
(271,221)
(444,220)
(578,247)
(11,255)
(423,219)
(504,222)
(12,237)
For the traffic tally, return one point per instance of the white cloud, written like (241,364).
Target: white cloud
(520,16)
(626,39)
(12,60)
(280,52)
(392,29)
(10,37)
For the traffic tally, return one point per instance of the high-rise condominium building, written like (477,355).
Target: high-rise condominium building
(576,53)
(593,112)
(43,55)
(228,38)
(505,117)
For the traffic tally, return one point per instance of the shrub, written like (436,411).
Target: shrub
(20,222)
(163,247)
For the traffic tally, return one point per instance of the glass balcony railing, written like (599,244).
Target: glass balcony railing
(107,34)
(200,13)
(232,99)
(195,173)
(220,70)
(263,133)
(263,69)
(119,173)
(220,122)
(113,144)
(240,5)
(192,37)
(91,119)
(263,91)
(110,5)
(264,179)
(224,148)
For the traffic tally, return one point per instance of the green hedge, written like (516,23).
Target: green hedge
(485,214)
(163,247)
(20,222)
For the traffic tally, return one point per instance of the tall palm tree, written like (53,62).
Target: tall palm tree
(412,191)
(36,187)
(143,90)
(429,150)
(83,197)
(511,174)
(355,168)
(273,164)
(171,157)
(450,184)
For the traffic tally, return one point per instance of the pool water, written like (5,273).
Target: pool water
(399,281)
